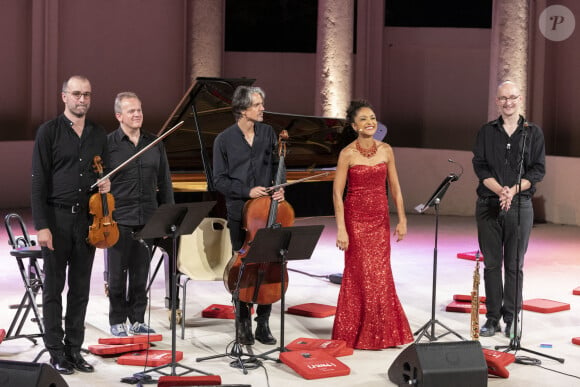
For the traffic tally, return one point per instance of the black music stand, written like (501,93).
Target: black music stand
(281,245)
(173,220)
(434,201)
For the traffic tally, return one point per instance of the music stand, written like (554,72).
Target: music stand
(434,201)
(173,220)
(281,245)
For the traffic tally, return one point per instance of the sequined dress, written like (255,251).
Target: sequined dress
(369,314)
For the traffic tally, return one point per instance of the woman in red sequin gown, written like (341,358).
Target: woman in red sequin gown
(369,314)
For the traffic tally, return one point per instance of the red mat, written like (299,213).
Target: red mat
(470,255)
(150,358)
(467,298)
(137,339)
(174,381)
(576,291)
(106,349)
(315,364)
(312,309)
(542,305)
(2,334)
(497,362)
(221,311)
(576,340)
(463,307)
(335,348)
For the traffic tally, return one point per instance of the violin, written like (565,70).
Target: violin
(104,232)
(260,283)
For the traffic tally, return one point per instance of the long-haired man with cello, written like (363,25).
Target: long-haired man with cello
(139,188)
(244,166)
(62,174)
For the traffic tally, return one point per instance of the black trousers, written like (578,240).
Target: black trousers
(128,267)
(238,237)
(69,233)
(502,240)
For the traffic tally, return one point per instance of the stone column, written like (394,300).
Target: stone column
(207,38)
(334,57)
(509,49)
(369,52)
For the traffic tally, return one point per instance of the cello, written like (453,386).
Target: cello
(104,232)
(260,283)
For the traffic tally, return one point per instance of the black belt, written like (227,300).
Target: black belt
(74,209)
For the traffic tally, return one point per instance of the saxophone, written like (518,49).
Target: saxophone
(475,301)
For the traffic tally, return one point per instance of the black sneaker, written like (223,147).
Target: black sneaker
(490,328)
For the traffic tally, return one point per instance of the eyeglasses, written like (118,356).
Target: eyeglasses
(78,94)
(511,98)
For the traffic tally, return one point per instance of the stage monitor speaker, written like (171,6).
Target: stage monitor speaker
(451,364)
(19,374)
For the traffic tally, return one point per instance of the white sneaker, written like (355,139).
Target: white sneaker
(119,330)
(140,329)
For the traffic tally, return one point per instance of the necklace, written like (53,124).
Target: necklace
(369,152)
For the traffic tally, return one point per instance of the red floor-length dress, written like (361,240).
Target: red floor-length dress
(369,314)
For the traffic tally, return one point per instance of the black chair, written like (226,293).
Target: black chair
(27,256)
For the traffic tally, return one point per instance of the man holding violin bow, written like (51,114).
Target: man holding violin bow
(138,188)
(244,165)
(62,174)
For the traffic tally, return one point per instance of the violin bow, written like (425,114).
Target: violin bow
(275,187)
(138,154)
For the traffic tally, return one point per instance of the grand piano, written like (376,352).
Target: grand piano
(205,108)
(312,148)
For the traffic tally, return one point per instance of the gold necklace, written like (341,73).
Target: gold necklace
(369,152)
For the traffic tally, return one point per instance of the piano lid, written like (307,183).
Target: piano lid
(205,108)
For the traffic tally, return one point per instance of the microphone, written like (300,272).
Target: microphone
(454,176)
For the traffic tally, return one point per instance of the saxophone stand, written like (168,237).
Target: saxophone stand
(434,202)
(515,341)
(279,245)
(173,220)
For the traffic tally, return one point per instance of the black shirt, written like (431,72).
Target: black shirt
(62,166)
(238,167)
(498,155)
(141,185)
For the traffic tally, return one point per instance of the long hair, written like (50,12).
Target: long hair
(242,99)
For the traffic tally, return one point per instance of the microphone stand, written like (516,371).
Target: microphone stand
(515,341)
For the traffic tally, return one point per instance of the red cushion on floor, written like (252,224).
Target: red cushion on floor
(107,349)
(312,309)
(463,307)
(315,364)
(576,291)
(221,311)
(497,362)
(542,305)
(2,334)
(150,358)
(174,381)
(470,255)
(467,298)
(576,340)
(335,348)
(135,339)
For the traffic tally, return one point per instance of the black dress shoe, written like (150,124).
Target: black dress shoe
(263,334)
(490,328)
(61,364)
(244,332)
(78,363)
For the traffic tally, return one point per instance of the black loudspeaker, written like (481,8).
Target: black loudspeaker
(20,374)
(452,364)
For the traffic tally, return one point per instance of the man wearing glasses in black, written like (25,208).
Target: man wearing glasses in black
(62,173)
(504,213)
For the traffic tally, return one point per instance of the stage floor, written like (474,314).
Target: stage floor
(552,271)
